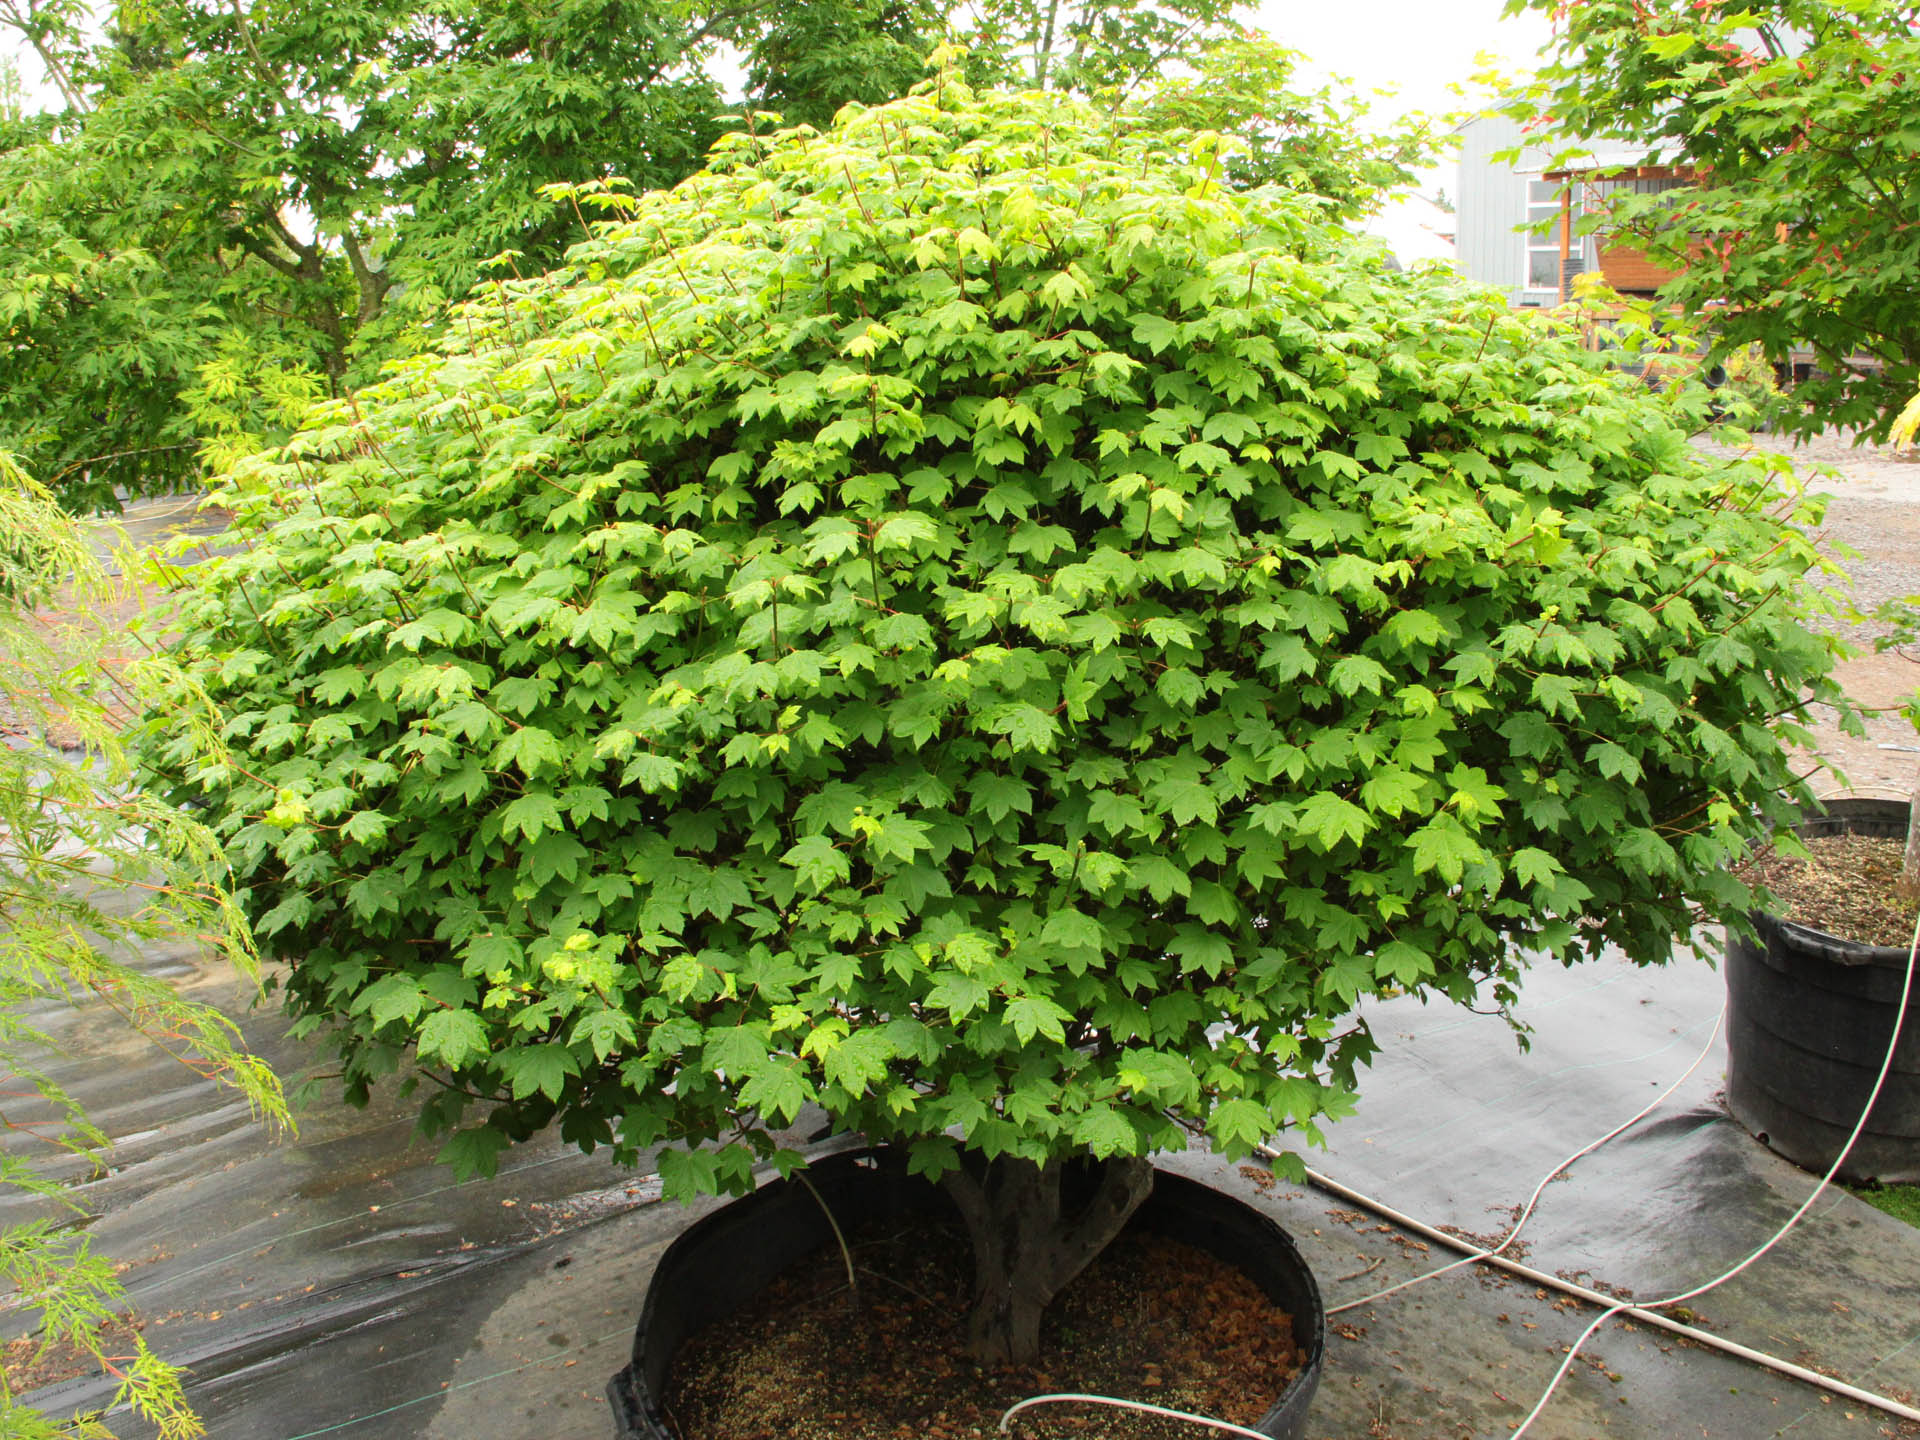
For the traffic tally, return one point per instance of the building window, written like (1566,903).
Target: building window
(1599,190)
(1542,237)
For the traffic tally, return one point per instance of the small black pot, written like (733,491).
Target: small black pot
(1809,1016)
(730,1256)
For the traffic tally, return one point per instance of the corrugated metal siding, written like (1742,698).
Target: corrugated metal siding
(1491,213)
(1491,204)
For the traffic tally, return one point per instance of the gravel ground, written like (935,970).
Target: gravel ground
(1872,532)
(95,630)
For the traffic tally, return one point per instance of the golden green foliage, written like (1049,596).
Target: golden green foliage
(971,621)
(1906,423)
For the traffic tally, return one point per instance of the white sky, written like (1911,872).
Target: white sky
(1419,47)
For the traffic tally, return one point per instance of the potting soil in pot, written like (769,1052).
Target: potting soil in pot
(1846,889)
(1151,1319)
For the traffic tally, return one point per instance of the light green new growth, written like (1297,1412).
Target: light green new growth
(90,870)
(966,620)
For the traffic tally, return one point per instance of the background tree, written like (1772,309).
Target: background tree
(115,292)
(809,60)
(294,188)
(93,870)
(969,621)
(1318,142)
(244,207)
(1094,46)
(1801,121)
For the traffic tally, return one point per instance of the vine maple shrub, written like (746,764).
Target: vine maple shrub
(963,621)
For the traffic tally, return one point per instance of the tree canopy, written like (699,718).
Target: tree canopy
(1799,122)
(969,621)
(240,191)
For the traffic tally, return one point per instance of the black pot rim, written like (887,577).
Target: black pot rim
(1838,814)
(1288,1407)
(1828,946)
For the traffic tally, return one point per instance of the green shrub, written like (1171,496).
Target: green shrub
(962,620)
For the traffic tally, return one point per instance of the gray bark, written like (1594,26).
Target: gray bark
(1026,1251)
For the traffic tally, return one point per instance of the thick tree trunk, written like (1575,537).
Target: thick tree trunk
(1025,1250)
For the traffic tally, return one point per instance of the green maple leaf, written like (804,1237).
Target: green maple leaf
(1032,1015)
(1105,1131)
(1392,792)
(1534,866)
(779,1089)
(532,816)
(1240,1125)
(1002,795)
(1330,818)
(1444,848)
(453,1037)
(538,1068)
(529,750)
(1402,963)
(1027,727)
(1185,799)
(1197,949)
(820,862)
(608,1032)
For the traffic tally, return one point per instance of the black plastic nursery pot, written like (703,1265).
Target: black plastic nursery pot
(722,1261)
(1809,1017)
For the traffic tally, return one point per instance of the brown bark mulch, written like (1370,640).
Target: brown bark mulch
(1846,889)
(1150,1319)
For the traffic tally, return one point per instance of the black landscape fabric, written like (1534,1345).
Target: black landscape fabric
(340,1282)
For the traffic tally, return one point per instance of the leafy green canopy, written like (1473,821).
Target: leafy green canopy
(98,335)
(241,193)
(1801,121)
(964,620)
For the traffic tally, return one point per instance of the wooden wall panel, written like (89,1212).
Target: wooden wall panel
(1628,269)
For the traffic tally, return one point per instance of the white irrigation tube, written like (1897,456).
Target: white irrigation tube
(1139,1405)
(1473,1254)
(1526,1211)
(1594,1297)
(1886,1066)
(1513,1234)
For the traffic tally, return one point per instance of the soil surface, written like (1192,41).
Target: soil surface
(1846,889)
(1150,1320)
